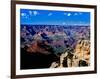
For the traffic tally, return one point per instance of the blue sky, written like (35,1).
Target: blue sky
(51,17)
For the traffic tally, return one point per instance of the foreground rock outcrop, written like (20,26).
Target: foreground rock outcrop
(80,56)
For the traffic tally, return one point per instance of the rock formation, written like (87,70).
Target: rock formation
(79,57)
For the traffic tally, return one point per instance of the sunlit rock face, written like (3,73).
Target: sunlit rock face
(79,57)
(82,52)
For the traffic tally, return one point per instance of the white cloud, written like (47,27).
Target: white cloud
(69,14)
(49,14)
(23,14)
(65,13)
(35,13)
(75,14)
(30,12)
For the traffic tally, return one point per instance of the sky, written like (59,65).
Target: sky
(52,17)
